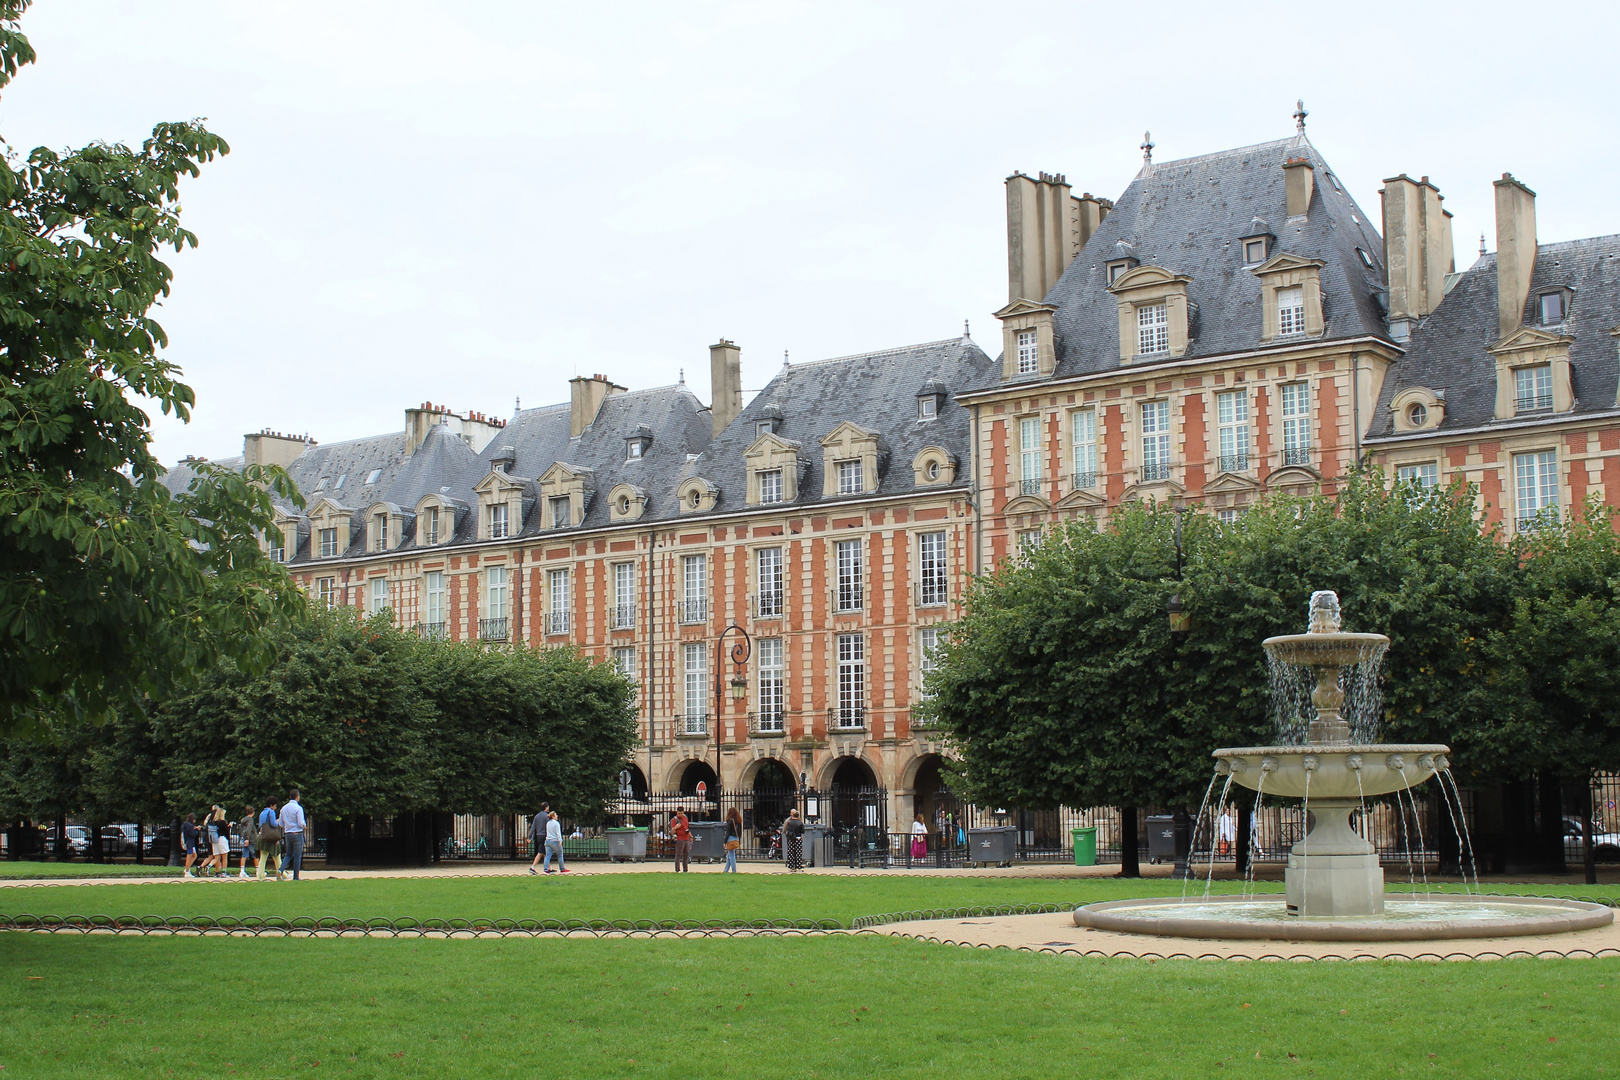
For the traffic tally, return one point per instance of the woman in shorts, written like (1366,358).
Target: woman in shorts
(219,839)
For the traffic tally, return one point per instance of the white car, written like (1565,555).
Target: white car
(1605,845)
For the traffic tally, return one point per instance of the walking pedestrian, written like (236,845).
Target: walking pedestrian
(793,840)
(537,836)
(1227,831)
(188,835)
(919,839)
(270,842)
(734,830)
(219,840)
(248,827)
(682,829)
(554,842)
(296,830)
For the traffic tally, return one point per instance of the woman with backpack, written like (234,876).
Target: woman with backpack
(249,828)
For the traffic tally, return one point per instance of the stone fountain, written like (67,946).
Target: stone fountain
(1332,870)
(1334,883)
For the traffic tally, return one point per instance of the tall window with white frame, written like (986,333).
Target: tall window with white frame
(1534,388)
(851,576)
(1232,417)
(497,521)
(562,512)
(557,619)
(382,532)
(624,596)
(697,689)
(1296,423)
(1156,440)
(326,590)
(329,547)
(850,481)
(277,542)
(1290,311)
(851,711)
(770,486)
(1029,456)
(493,627)
(768,601)
(694,588)
(928,640)
(430,525)
(1425,476)
(934,584)
(1152,329)
(433,608)
(1535,481)
(1029,352)
(624,662)
(379,595)
(1083,433)
(770,684)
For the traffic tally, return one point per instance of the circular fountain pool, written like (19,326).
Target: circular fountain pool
(1403,919)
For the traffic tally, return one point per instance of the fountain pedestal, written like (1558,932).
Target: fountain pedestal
(1333,871)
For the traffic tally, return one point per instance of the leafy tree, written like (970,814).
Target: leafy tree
(109,588)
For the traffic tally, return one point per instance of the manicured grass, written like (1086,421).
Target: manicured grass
(692,897)
(820,1007)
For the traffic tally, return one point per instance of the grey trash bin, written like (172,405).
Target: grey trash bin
(708,839)
(627,844)
(1161,838)
(818,845)
(997,844)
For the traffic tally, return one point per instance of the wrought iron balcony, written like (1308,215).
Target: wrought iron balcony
(1085,480)
(492,629)
(692,725)
(1533,402)
(1234,463)
(432,631)
(557,622)
(768,605)
(933,593)
(846,718)
(1297,455)
(1029,487)
(767,724)
(1155,472)
(692,611)
(624,616)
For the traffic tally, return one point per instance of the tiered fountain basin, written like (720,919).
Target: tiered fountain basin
(1427,918)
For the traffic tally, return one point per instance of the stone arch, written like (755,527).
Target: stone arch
(633,778)
(762,769)
(841,770)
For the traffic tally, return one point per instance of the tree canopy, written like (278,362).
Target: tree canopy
(110,588)
(1061,683)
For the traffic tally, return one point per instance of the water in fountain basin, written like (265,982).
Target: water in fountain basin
(1293,684)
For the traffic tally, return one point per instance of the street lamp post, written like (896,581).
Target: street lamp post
(740,652)
(1179,626)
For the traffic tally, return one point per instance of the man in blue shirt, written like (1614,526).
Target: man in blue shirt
(296,828)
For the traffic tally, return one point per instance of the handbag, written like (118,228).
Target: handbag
(733,844)
(919,848)
(270,832)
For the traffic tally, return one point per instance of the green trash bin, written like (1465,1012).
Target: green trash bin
(1085,846)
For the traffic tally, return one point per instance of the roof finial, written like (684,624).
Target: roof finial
(517,404)
(1147,148)
(683,376)
(784,358)
(1300,113)
(965,331)
(1482,245)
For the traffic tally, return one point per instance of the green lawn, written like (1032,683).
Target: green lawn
(689,897)
(24,868)
(817,1007)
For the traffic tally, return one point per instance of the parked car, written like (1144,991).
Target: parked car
(78,839)
(1605,845)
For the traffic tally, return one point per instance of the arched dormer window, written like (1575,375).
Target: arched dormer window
(1154,318)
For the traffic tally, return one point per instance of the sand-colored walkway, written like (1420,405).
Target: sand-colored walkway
(1056,933)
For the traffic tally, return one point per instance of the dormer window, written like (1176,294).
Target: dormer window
(637,444)
(695,500)
(1290,311)
(1028,352)
(1534,388)
(380,532)
(927,408)
(768,421)
(1254,252)
(1152,329)
(497,521)
(562,512)
(1366,259)
(635,448)
(849,477)
(430,525)
(1417,414)
(762,428)
(329,545)
(1116,270)
(1552,308)
(770,486)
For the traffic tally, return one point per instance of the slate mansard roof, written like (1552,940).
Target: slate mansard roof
(877,391)
(1447,353)
(1188,217)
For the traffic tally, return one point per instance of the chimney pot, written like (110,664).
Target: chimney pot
(725,384)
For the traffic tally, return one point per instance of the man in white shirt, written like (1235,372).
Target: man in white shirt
(296,829)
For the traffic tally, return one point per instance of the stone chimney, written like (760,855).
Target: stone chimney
(419,420)
(725,383)
(1044,232)
(1301,184)
(1417,250)
(585,397)
(273,448)
(1515,251)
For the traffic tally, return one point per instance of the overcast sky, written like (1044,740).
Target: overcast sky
(467,203)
